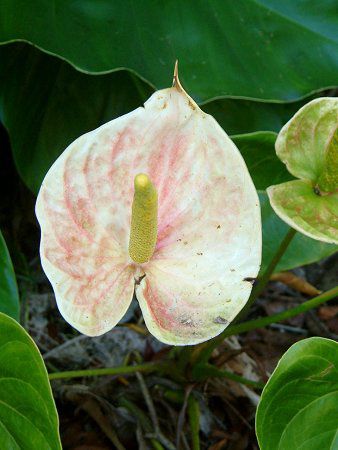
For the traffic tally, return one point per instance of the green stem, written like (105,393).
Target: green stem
(194,421)
(202,371)
(203,354)
(121,370)
(264,279)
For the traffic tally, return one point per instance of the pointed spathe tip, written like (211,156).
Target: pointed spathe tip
(175,72)
(176,81)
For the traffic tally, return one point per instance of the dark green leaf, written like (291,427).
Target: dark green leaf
(238,116)
(264,49)
(299,405)
(302,249)
(28,418)
(258,150)
(46,104)
(9,297)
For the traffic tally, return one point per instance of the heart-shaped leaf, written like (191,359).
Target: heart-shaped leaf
(302,249)
(9,297)
(28,418)
(237,48)
(299,405)
(308,145)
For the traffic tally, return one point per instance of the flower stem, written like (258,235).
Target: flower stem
(121,370)
(194,421)
(263,281)
(204,351)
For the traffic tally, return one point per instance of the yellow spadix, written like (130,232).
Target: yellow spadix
(143,232)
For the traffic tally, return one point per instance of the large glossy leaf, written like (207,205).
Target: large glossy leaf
(46,104)
(299,405)
(249,48)
(28,418)
(302,249)
(9,297)
(240,116)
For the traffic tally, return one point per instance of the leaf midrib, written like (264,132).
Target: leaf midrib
(15,411)
(300,411)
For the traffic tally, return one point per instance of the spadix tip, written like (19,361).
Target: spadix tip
(142,181)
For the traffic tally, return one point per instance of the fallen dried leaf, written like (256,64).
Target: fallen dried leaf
(219,445)
(328,312)
(296,283)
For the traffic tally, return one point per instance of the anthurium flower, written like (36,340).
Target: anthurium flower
(308,145)
(158,201)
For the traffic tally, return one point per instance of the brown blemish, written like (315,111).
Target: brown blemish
(165,104)
(192,106)
(187,322)
(138,280)
(218,227)
(317,191)
(221,320)
(185,242)
(250,280)
(199,254)
(232,270)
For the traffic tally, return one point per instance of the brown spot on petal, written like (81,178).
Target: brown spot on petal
(221,320)
(250,280)
(187,322)
(138,280)
(192,106)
